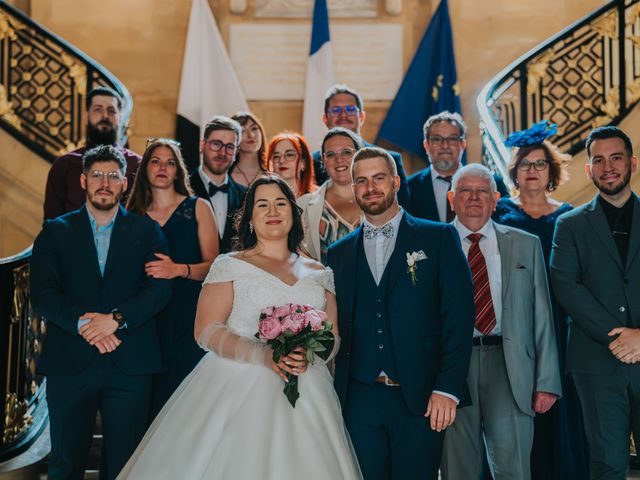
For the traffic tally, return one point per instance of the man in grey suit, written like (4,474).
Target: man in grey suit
(514,370)
(595,272)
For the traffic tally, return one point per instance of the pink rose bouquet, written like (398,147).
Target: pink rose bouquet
(287,327)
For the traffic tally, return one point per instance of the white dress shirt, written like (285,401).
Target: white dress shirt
(378,249)
(219,201)
(489,248)
(440,189)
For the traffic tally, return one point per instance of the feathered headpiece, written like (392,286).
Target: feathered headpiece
(538,133)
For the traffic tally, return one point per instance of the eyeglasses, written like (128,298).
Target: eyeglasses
(216,146)
(525,165)
(112,177)
(345,154)
(437,140)
(348,109)
(288,156)
(160,139)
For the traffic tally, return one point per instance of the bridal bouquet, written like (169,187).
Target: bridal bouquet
(290,326)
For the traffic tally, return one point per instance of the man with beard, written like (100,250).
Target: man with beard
(88,280)
(595,273)
(405,312)
(63,193)
(211,180)
(344,107)
(444,141)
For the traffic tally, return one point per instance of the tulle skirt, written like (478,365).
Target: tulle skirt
(230,420)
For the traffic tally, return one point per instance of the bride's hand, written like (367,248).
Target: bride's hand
(297,361)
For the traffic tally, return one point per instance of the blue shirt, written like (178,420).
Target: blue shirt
(102,240)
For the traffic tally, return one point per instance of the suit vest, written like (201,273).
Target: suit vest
(372,344)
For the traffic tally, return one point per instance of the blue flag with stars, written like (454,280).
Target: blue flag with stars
(429,86)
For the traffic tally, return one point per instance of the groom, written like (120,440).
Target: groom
(405,312)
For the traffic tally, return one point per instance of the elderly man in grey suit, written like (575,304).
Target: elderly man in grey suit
(514,370)
(595,272)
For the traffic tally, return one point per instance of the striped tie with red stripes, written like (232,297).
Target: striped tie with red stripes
(485,314)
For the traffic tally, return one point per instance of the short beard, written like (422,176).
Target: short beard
(96,136)
(445,165)
(378,208)
(105,206)
(614,190)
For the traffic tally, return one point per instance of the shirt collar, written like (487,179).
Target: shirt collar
(435,174)
(94,226)
(395,221)
(487,230)
(206,179)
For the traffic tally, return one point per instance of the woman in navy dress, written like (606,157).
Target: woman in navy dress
(162,192)
(560,450)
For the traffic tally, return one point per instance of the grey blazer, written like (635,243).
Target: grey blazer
(312,205)
(589,280)
(529,342)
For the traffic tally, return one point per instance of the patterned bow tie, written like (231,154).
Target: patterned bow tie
(370,232)
(213,188)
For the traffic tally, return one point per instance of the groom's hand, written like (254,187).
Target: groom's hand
(442,411)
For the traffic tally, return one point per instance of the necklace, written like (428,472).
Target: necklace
(246,179)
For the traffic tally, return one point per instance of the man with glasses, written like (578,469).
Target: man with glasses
(444,142)
(88,280)
(63,192)
(595,273)
(343,107)
(211,180)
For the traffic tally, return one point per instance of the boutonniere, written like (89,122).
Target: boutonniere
(412,268)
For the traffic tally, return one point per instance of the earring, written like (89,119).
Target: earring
(251,228)
(516,183)
(551,186)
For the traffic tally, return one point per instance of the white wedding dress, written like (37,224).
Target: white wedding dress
(230,420)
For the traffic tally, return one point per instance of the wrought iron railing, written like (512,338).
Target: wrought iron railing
(585,76)
(21,335)
(43,84)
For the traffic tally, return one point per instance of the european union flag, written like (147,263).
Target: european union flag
(429,86)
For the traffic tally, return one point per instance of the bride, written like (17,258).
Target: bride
(229,419)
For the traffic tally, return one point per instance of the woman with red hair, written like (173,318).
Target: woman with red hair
(289,157)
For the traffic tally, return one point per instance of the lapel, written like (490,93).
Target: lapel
(429,201)
(505,247)
(349,273)
(596,218)
(234,201)
(82,226)
(118,241)
(197,186)
(634,240)
(404,243)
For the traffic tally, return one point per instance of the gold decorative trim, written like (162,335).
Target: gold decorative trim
(633,14)
(77,71)
(16,418)
(611,109)
(633,92)
(6,110)
(8,26)
(20,293)
(606,26)
(536,70)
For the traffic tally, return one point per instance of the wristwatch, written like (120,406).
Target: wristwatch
(118,317)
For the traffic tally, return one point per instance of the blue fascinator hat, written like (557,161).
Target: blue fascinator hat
(535,135)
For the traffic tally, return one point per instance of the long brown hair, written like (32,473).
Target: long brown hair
(243,119)
(141,195)
(307,180)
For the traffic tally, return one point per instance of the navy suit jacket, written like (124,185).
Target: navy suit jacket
(431,322)
(423,200)
(403,192)
(236,196)
(66,283)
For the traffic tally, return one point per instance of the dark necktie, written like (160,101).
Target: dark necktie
(485,314)
(213,188)
(450,215)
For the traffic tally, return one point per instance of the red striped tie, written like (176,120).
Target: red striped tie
(485,314)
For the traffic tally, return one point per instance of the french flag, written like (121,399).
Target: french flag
(319,76)
(209,85)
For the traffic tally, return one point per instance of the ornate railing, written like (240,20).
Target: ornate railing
(43,85)
(585,76)
(21,334)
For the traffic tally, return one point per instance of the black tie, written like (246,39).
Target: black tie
(450,213)
(213,188)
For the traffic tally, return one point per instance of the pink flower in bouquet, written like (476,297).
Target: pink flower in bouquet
(315,318)
(293,322)
(297,308)
(306,308)
(270,328)
(268,311)
(281,311)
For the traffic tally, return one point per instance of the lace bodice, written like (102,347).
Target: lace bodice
(255,289)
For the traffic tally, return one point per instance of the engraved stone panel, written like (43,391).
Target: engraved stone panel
(304,8)
(271,59)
